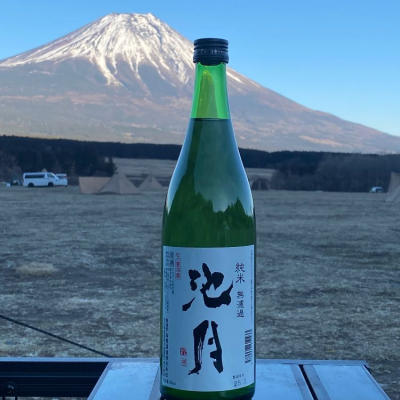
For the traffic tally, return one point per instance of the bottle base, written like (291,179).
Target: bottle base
(246,393)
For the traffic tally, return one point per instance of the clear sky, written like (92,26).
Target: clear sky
(338,56)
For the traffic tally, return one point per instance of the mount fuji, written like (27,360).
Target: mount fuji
(129,78)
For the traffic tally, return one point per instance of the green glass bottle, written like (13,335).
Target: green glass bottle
(208,254)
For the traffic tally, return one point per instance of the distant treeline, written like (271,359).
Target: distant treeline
(295,170)
(336,172)
(18,155)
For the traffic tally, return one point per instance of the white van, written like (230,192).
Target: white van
(62,180)
(32,179)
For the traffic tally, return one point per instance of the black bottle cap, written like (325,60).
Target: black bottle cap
(211,51)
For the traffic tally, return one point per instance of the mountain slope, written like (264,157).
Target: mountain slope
(129,78)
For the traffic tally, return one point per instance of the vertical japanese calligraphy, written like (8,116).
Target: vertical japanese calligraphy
(165,365)
(177,266)
(214,279)
(240,278)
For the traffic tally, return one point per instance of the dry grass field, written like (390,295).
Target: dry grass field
(88,268)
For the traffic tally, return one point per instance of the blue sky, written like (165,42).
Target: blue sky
(338,56)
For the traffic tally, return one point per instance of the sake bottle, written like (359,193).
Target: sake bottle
(208,251)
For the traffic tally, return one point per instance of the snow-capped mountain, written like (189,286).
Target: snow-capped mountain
(129,78)
(131,38)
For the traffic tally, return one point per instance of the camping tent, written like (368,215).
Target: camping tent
(44,170)
(119,184)
(91,184)
(150,183)
(394,188)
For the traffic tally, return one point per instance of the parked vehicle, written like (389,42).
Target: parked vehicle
(376,189)
(62,180)
(33,179)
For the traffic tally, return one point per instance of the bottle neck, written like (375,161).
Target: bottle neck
(210,98)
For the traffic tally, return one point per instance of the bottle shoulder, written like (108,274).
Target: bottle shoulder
(209,201)
(210,166)
(216,188)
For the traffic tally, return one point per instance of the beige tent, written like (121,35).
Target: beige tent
(393,193)
(150,183)
(91,184)
(119,184)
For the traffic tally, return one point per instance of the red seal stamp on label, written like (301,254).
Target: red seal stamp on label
(183,351)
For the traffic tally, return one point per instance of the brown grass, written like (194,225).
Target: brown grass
(328,275)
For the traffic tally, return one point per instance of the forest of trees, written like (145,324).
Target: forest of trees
(337,172)
(295,170)
(19,155)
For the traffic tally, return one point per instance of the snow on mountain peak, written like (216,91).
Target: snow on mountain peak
(133,38)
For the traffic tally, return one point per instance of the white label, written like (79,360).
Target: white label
(208,318)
